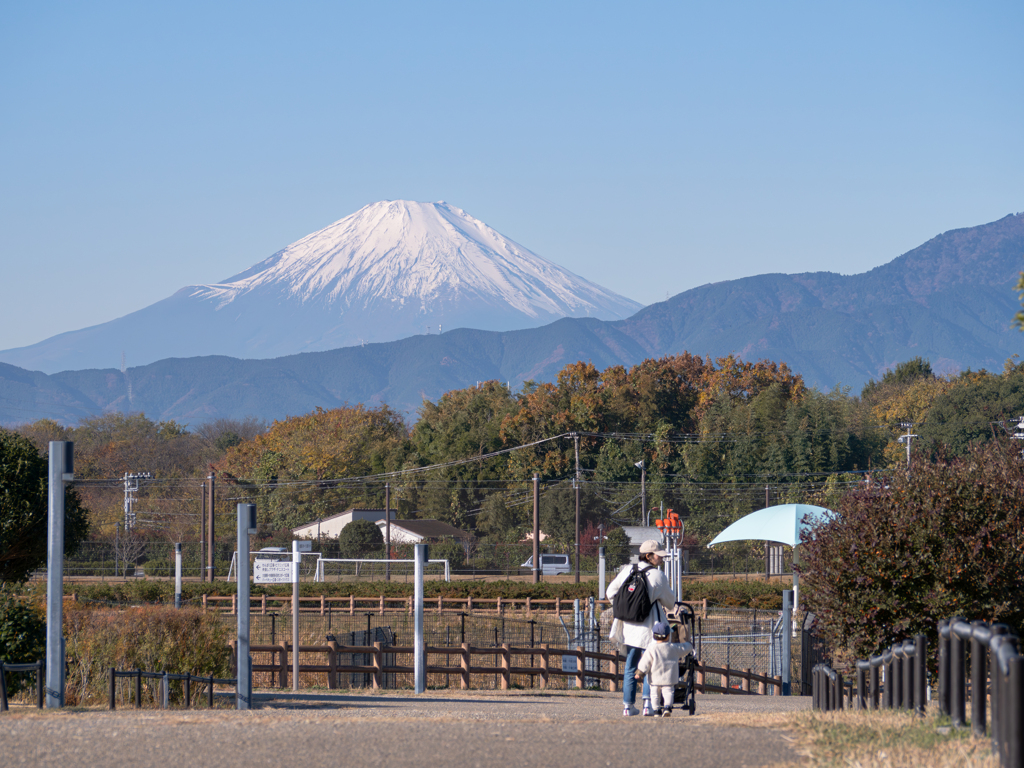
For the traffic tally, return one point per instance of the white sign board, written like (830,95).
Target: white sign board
(304,546)
(272,572)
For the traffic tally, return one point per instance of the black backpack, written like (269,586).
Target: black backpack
(632,602)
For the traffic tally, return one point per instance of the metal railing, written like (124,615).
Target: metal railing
(165,679)
(898,679)
(36,666)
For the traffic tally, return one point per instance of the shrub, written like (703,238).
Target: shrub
(947,540)
(22,638)
(150,638)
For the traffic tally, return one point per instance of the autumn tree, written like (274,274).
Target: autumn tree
(947,540)
(312,466)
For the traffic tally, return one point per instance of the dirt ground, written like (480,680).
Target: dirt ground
(399,729)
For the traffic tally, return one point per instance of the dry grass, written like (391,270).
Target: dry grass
(884,739)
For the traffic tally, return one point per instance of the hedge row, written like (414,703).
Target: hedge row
(749,594)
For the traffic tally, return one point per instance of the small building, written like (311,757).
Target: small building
(330,527)
(638,534)
(420,531)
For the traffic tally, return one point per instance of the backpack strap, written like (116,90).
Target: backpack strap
(656,607)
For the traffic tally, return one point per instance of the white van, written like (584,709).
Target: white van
(550,565)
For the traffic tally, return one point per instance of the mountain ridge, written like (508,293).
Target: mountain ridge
(833,329)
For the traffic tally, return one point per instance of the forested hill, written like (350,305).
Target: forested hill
(950,301)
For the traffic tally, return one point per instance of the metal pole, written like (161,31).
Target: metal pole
(419,655)
(177,575)
(387,531)
(61,470)
(577,484)
(600,573)
(211,537)
(202,536)
(787,639)
(536,528)
(243,671)
(296,560)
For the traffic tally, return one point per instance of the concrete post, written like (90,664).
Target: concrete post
(61,471)
(243,672)
(787,639)
(177,575)
(419,656)
(296,560)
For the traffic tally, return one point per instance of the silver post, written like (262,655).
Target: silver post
(61,470)
(419,657)
(787,638)
(243,671)
(177,575)
(296,559)
(600,573)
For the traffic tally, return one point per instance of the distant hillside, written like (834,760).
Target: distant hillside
(952,301)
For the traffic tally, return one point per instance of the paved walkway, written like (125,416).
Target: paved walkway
(400,730)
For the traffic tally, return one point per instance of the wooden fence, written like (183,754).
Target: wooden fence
(380,604)
(377,668)
(608,665)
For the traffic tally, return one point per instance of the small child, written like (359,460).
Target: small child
(661,661)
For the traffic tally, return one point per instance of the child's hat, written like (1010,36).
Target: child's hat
(661,629)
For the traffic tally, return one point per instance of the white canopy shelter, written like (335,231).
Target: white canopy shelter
(782,523)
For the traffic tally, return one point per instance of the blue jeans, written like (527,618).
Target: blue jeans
(628,681)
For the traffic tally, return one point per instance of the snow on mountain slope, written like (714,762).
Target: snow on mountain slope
(417,253)
(391,270)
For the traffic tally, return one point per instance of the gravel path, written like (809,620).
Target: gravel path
(439,728)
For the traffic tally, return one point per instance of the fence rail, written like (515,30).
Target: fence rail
(263,604)
(897,679)
(581,671)
(165,679)
(35,666)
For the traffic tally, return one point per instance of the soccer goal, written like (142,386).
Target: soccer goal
(307,565)
(346,569)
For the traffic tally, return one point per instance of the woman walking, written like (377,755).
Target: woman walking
(633,637)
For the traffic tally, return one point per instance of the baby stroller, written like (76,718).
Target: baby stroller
(683,623)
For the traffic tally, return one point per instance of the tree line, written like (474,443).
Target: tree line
(716,440)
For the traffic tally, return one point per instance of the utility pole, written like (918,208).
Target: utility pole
(643,492)
(907,438)
(536,528)
(211,537)
(202,533)
(387,531)
(131,487)
(576,485)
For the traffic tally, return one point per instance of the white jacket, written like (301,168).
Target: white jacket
(639,634)
(661,662)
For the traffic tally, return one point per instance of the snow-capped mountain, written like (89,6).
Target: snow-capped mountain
(392,269)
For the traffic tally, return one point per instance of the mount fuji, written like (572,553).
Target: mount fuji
(391,270)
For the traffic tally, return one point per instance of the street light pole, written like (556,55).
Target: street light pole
(643,492)
(907,438)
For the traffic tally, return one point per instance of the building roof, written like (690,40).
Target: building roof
(429,529)
(638,534)
(348,512)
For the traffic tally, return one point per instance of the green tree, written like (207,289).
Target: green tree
(361,538)
(617,549)
(24,501)
(22,637)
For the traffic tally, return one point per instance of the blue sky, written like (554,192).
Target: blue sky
(650,147)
